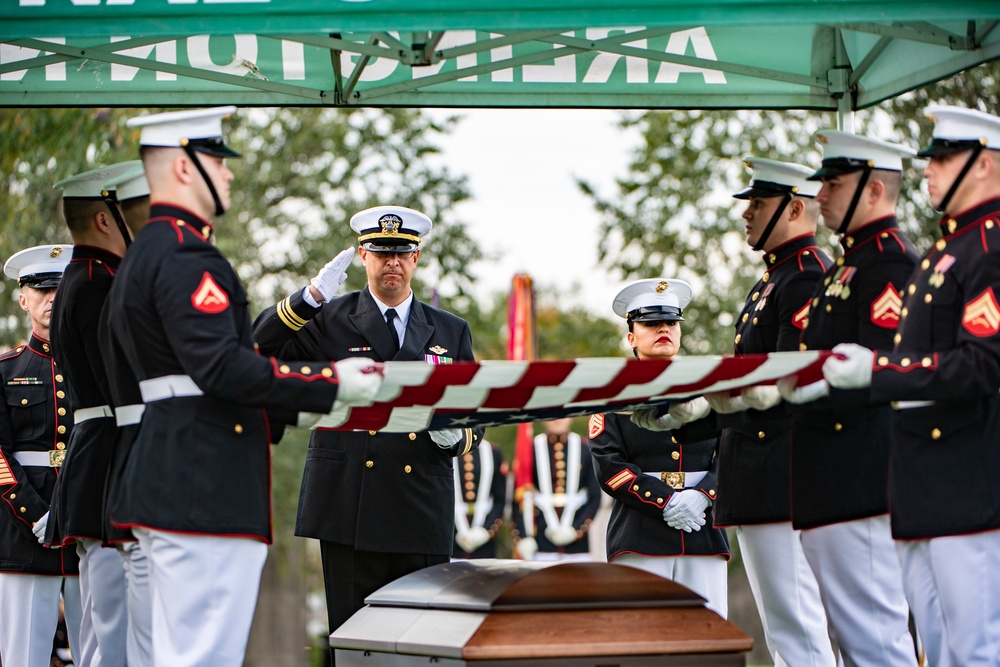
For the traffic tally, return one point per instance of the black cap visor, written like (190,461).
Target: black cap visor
(655,314)
(949,146)
(213,146)
(839,166)
(764,189)
(41,280)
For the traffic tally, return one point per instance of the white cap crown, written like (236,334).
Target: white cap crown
(772,178)
(653,299)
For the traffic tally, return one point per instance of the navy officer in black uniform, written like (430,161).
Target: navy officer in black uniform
(197,481)
(100,238)
(844,519)
(663,480)
(381,504)
(36,421)
(754,451)
(944,374)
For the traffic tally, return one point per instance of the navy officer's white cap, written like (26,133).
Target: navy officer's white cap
(200,129)
(131,183)
(772,178)
(93,184)
(653,300)
(958,129)
(846,152)
(390,228)
(40,267)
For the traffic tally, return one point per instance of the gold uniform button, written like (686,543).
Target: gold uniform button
(23,510)
(61,429)
(711,492)
(761,434)
(936,434)
(840,261)
(883,361)
(62,412)
(675,456)
(926,361)
(850,241)
(746,316)
(326,372)
(826,281)
(372,432)
(940,245)
(659,501)
(306,370)
(284,368)
(13,496)
(838,427)
(24,401)
(772,258)
(885,235)
(755,320)
(755,296)
(904,362)
(803,347)
(905,312)
(59,377)
(829,308)
(635,488)
(673,439)
(912,288)
(467,475)
(806,253)
(898,337)
(60,394)
(648,494)
(469,486)
(470,496)
(412,436)
(816,301)
(369,464)
(60,445)
(767,276)
(928,297)
(926,264)
(989,224)
(407,469)
(739,337)
(238,428)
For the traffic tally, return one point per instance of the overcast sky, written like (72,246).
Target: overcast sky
(525,205)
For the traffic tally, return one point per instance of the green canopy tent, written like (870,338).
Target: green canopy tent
(809,54)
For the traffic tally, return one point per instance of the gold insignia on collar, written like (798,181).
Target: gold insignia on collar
(55,252)
(437,349)
(662,287)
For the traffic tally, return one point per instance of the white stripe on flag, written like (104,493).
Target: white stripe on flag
(681,371)
(401,374)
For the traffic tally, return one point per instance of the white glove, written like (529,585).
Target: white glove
(527,547)
(446,438)
(560,535)
(329,279)
(651,420)
(686,510)
(761,397)
(472,539)
(39,528)
(689,411)
(804,394)
(358,380)
(308,419)
(850,366)
(724,403)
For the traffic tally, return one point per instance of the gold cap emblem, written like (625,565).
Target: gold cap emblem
(390,224)
(55,252)
(662,287)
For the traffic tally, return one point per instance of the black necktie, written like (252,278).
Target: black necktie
(390,315)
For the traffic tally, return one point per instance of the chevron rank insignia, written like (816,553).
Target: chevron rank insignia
(209,297)
(887,307)
(801,317)
(982,315)
(596,426)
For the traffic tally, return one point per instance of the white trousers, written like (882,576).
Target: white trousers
(104,624)
(203,590)
(953,586)
(787,595)
(139,641)
(705,575)
(29,613)
(861,585)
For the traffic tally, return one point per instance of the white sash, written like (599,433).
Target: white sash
(575,497)
(484,499)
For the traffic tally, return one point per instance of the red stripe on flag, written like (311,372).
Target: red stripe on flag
(635,372)
(545,374)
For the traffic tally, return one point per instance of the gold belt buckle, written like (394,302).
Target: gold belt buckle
(674,480)
(470,508)
(56,457)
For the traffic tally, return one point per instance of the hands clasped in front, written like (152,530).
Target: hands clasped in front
(686,510)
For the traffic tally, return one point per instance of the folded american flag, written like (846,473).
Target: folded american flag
(416,396)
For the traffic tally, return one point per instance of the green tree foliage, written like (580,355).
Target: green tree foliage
(672,214)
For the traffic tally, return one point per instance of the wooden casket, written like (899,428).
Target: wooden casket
(492,612)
